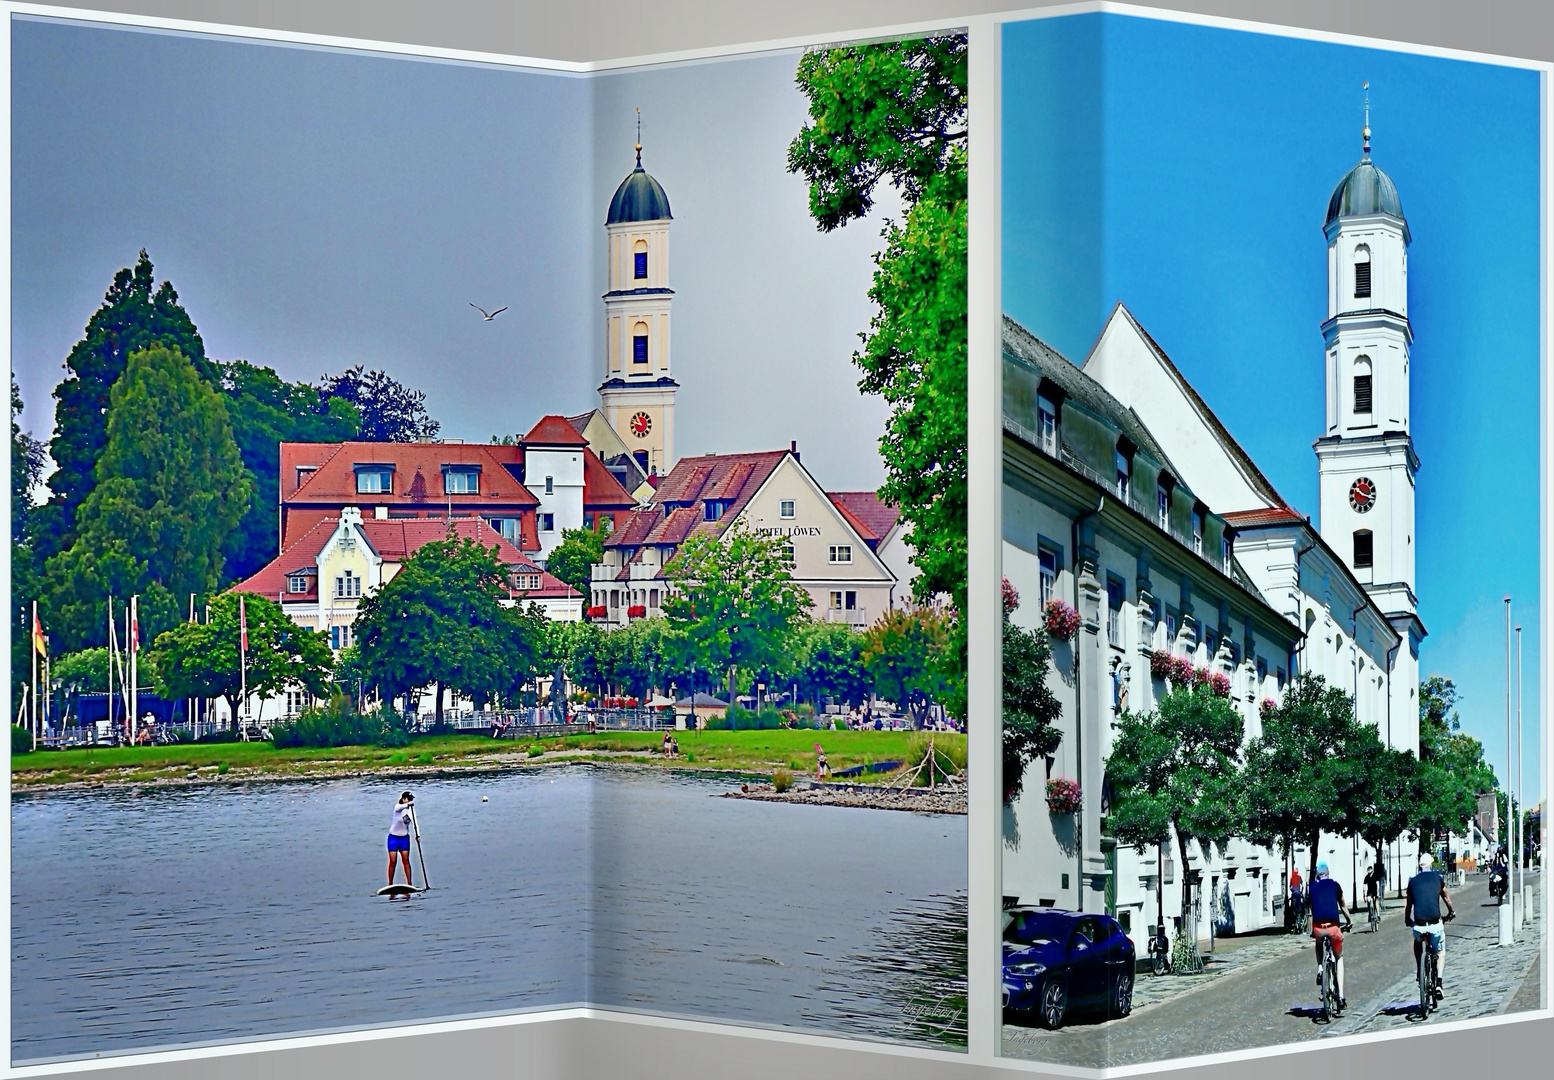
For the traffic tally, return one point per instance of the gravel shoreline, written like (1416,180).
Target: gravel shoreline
(947,798)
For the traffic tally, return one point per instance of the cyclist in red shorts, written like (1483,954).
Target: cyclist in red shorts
(1327,912)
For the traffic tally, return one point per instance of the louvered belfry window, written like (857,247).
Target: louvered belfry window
(1362,279)
(1362,393)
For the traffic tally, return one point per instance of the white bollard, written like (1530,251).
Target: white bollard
(1505,925)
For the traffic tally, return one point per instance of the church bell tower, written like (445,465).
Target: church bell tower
(1366,462)
(637,395)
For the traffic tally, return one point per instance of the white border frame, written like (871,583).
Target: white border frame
(984,820)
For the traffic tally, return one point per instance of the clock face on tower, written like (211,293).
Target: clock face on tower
(1362,495)
(641,424)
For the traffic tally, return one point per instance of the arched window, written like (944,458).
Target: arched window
(1364,549)
(1362,386)
(639,260)
(1362,271)
(639,339)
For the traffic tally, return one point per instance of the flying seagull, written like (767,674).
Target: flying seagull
(489,314)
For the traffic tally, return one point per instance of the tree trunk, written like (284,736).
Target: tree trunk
(438,713)
(1181,845)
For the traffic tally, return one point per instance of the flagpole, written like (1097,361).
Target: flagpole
(1521,793)
(134,651)
(33,649)
(242,618)
(110,667)
(194,727)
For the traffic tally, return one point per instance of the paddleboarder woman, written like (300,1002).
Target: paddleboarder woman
(399,836)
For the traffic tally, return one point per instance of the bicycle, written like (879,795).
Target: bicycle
(1332,1003)
(1159,952)
(1429,973)
(1373,904)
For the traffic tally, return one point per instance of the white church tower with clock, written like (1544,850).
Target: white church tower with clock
(637,395)
(1365,458)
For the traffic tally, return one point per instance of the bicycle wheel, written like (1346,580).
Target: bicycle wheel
(1426,994)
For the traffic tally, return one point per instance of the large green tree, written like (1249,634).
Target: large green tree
(903,652)
(389,410)
(266,411)
(1175,769)
(170,488)
(734,599)
(442,621)
(1306,774)
(573,559)
(204,659)
(829,663)
(135,315)
(895,112)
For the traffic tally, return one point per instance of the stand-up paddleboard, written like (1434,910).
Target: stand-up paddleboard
(399,890)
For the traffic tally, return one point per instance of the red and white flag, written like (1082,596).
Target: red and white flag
(242,618)
(134,629)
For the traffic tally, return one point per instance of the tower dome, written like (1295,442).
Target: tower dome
(1365,189)
(639,198)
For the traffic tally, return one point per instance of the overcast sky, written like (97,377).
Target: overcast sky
(317,209)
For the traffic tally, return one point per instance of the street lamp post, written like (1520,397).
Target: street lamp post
(1505,914)
(1521,792)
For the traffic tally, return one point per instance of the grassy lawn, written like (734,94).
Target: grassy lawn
(742,751)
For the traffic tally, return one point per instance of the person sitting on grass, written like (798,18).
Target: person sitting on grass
(399,836)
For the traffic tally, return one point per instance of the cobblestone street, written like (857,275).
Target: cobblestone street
(1261,991)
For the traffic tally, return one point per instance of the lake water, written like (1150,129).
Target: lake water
(218,914)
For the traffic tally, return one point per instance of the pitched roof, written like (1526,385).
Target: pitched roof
(334,481)
(1262,518)
(867,512)
(553,431)
(1243,460)
(394,541)
(678,508)
(601,491)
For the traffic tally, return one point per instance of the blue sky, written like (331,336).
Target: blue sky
(320,208)
(1185,171)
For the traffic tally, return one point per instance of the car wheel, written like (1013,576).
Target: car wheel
(1054,1004)
(1122,995)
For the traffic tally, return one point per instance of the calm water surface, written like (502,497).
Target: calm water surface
(218,914)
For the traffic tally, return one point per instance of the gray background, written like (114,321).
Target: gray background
(603,29)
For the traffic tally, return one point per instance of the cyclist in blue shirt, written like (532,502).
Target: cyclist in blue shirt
(1327,912)
(1422,912)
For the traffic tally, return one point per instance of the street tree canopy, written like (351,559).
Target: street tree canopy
(1176,768)
(441,620)
(903,651)
(734,598)
(203,660)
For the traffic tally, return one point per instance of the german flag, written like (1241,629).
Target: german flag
(40,643)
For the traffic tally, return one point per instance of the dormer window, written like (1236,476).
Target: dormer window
(1162,506)
(1047,425)
(1362,272)
(1197,531)
(1124,475)
(713,509)
(297,583)
(374,479)
(305,473)
(461,480)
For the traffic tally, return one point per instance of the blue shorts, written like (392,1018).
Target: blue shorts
(398,843)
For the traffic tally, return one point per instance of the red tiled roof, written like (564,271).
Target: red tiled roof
(601,491)
(870,515)
(678,506)
(393,540)
(334,482)
(1261,518)
(553,431)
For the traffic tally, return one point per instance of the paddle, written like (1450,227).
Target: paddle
(426,882)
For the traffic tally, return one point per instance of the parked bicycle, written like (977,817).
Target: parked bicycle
(1159,951)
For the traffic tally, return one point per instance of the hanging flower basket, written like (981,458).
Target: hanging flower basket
(1061,619)
(1267,705)
(637,611)
(1219,684)
(1200,676)
(597,611)
(1162,664)
(1011,598)
(1181,671)
(1064,796)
